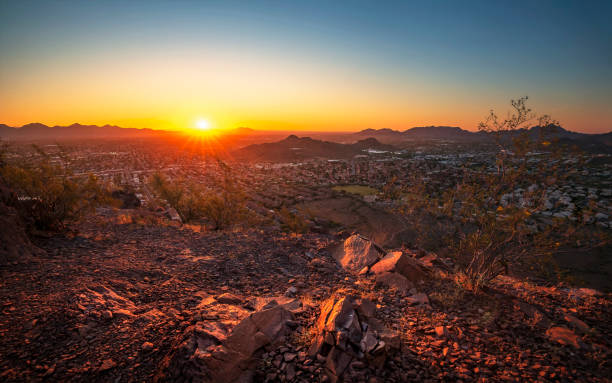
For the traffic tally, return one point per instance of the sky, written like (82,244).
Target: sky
(304,65)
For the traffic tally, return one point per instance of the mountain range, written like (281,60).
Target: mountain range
(38,131)
(454,133)
(592,142)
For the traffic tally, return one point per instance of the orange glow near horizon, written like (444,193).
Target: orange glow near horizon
(296,67)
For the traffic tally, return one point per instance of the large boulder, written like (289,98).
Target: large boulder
(394,281)
(401,263)
(347,330)
(211,352)
(358,252)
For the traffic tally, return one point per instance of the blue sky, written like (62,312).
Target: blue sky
(425,62)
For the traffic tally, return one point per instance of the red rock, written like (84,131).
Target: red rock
(576,323)
(534,315)
(564,336)
(366,307)
(394,281)
(337,361)
(358,252)
(336,314)
(401,263)
(418,299)
(107,365)
(229,298)
(441,331)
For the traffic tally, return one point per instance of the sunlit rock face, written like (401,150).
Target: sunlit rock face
(226,351)
(358,252)
(348,333)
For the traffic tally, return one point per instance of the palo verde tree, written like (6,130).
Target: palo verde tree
(491,215)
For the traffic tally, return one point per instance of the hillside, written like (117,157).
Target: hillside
(295,148)
(123,301)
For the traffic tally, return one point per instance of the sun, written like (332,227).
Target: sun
(203,124)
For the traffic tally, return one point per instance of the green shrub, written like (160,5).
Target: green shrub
(292,223)
(468,221)
(49,195)
(223,208)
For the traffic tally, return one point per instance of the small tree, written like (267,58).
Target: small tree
(490,214)
(227,207)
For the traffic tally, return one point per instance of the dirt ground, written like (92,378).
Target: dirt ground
(109,303)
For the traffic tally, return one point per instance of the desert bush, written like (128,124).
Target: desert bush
(49,195)
(223,208)
(292,222)
(487,221)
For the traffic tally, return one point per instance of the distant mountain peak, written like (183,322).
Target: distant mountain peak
(34,125)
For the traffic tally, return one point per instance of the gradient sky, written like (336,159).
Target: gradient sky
(329,65)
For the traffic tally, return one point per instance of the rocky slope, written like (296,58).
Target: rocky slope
(131,299)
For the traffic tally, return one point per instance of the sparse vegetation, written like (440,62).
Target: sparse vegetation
(486,222)
(292,222)
(356,189)
(222,209)
(49,196)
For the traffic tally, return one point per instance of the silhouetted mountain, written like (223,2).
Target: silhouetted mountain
(419,133)
(38,131)
(591,142)
(295,148)
(438,132)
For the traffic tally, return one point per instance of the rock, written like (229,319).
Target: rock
(565,336)
(337,361)
(394,281)
(173,215)
(229,298)
(289,356)
(347,331)
(533,314)
(401,263)
(290,375)
(365,308)
(291,291)
(368,342)
(106,314)
(147,346)
(418,299)
(576,323)
(584,292)
(358,252)
(336,314)
(441,332)
(107,365)
(122,313)
(210,356)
